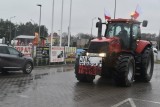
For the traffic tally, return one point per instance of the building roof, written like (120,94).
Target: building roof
(25,37)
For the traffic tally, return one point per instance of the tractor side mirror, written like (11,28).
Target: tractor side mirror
(144,24)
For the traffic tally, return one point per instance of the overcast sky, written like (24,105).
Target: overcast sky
(83,11)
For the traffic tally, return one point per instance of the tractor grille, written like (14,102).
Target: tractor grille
(98,47)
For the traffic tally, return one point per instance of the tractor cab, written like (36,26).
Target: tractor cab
(127,30)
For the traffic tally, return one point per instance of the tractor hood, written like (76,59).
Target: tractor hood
(105,39)
(104,44)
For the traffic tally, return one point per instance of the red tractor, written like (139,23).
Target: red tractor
(120,54)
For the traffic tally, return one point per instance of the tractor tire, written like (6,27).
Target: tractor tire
(146,66)
(124,70)
(82,77)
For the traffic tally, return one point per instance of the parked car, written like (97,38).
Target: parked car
(155,52)
(13,60)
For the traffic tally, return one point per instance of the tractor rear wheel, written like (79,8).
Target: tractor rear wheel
(124,70)
(82,77)
(147,65)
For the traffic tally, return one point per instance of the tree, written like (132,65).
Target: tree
(20,29)
(30,29)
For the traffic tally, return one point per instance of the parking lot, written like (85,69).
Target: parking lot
(56,86)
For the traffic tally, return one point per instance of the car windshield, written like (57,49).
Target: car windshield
(114,29)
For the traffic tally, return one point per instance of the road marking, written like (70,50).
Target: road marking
(130,100)
(23,96)
(146,101)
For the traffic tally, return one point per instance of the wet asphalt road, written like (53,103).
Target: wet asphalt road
(57,87)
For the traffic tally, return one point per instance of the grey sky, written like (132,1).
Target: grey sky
(82,13)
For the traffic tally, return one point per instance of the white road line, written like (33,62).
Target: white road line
(124,101)
(146,101)
(23,96)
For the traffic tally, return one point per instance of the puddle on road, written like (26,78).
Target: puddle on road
(14,84)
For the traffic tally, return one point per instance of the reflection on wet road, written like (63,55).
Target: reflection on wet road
(58,87)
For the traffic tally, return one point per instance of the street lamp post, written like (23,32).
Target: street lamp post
(69,28)
(92,25)
(39,19)
(10,30)
(52,23)
(61,24)
(115,5)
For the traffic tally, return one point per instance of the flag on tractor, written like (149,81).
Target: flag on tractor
(137,12)
(107,15)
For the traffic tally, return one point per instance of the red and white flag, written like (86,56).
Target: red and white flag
(107,14)
(137,12)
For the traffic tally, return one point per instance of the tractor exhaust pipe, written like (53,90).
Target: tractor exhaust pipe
(99,26)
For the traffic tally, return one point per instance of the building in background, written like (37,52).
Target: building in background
(23,40)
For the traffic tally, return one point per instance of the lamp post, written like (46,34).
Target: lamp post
(10,29)
(115,5)
(52,23)
(39,19)
(61,24)
(92,25)
(69,28)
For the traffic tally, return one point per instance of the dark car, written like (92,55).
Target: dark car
(13,60)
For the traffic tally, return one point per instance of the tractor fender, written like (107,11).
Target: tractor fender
(141,45)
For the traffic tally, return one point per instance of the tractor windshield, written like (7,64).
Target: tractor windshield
(117,28)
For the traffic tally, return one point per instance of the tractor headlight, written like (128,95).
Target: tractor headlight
(96,54)
(102,54)
(87,54)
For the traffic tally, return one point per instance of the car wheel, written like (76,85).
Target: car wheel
(28,68)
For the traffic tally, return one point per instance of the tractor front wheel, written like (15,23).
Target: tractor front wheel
(124,70)
(82,77)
